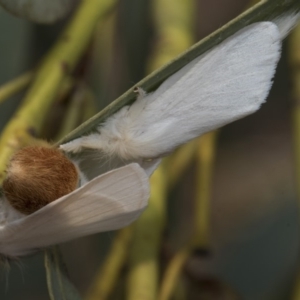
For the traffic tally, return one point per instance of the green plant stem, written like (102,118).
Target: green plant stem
(262,11)
(106,278)
(205,164)
(179,161)
(73,113)
(89,105)
(294,60)
(173,272)
(14,86)
(144,256)
(174,29)
(58,283)
(201,237)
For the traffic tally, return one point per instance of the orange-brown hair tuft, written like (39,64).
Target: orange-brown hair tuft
(38,175)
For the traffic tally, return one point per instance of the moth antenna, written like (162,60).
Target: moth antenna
(141,93)
(138,106)
(89,141)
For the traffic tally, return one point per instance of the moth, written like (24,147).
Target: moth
(224,84)
(44,205)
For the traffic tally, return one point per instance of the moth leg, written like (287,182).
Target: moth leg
(91,141)
(141,93)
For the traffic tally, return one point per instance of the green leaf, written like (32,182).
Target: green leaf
(59,285)
(264,10)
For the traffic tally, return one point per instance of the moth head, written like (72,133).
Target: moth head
(38,175)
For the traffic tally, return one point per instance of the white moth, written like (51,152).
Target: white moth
(108,202)
(227,83)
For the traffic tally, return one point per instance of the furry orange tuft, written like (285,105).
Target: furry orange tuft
(38,175)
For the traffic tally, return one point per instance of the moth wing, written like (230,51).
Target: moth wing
(108,202)
(223,85)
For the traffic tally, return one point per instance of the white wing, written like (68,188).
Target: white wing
(221,86)
(225,84)
(108,202)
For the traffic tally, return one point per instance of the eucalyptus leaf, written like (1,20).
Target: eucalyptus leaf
(264,10)
(40,11)
(59,285)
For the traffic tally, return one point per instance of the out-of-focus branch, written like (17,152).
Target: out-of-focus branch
(107,276)
(173,21)
(205,162)
(173,272)
(90,107)
(144,257)
(201,236)
(251,3)
(81,107)
(58,283)
(179,161)
(294,60)
(14,86)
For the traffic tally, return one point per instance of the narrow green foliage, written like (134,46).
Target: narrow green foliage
(264,10)
(59,285)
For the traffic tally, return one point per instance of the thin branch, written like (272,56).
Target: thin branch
(264,10)
(205,165)
(14,86)
(144,263)
(144,257)
(106,278)
(294,60)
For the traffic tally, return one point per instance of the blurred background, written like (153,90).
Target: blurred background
(254,229)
